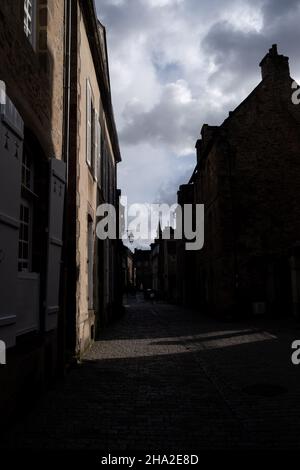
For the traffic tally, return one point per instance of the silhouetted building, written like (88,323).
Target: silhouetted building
(128,270)
(143,269)
(187,279)
(248,177)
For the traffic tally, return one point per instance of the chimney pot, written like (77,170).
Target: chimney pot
(275,65)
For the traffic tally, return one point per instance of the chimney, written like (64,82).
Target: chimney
(207,133)
(275,65)
(199,146)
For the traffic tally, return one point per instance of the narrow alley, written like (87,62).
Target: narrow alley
(164,378)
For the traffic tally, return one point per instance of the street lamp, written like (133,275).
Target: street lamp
(131,238)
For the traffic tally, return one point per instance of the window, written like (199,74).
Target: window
(24,263)
(27,172)
(26,215)
(103,160)
(106,172)
(30,20)
(92,132)
(93,135)
(88,123)
(93,138)
(98,150)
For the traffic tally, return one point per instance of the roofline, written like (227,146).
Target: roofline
(222,126)
(91,24)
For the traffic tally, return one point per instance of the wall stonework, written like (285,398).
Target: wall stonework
(84,187)
(34,78)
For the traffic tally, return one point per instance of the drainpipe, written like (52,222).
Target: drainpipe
(65,157)
(67,84)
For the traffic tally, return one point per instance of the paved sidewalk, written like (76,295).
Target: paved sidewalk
(167,379)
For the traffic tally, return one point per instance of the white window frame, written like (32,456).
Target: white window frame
(104,169)
(30,20)
(97,148)
(27,167)
(26,204)
(88,123)
(93,140)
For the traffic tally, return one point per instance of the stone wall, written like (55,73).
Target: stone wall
(34,77)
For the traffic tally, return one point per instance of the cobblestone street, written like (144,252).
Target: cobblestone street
(163,378)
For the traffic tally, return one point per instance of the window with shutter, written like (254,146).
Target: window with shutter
(102,162)
(93,141)
(55,240)
(96,156)
(99,151)
(26,215)
(88,123)
(105,171)
(107,179)
(25,236)
(11,148)
(28,287)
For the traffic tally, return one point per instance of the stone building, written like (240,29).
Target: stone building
(32,188)
(164,264)
(143,269)
(187,279)
(94,154)
(58,156)
(128,272)
(248,177)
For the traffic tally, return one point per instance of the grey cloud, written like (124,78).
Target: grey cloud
(167,193)
(273,9)
(237,53)
(170,122)
(124,18)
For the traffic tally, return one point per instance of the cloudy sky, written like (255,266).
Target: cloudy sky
(177,64)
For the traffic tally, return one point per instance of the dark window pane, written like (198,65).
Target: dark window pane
(25,250)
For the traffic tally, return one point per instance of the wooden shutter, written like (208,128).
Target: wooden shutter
(99,153)
(104,170)
(55,240)
(11,149)
(96,137)
(88,123)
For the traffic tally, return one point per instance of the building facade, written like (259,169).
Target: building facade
(128,271)
(187,277)
(94,154)
(164,264)
(143,269)
(58,161)
(32,186)
(247,176)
